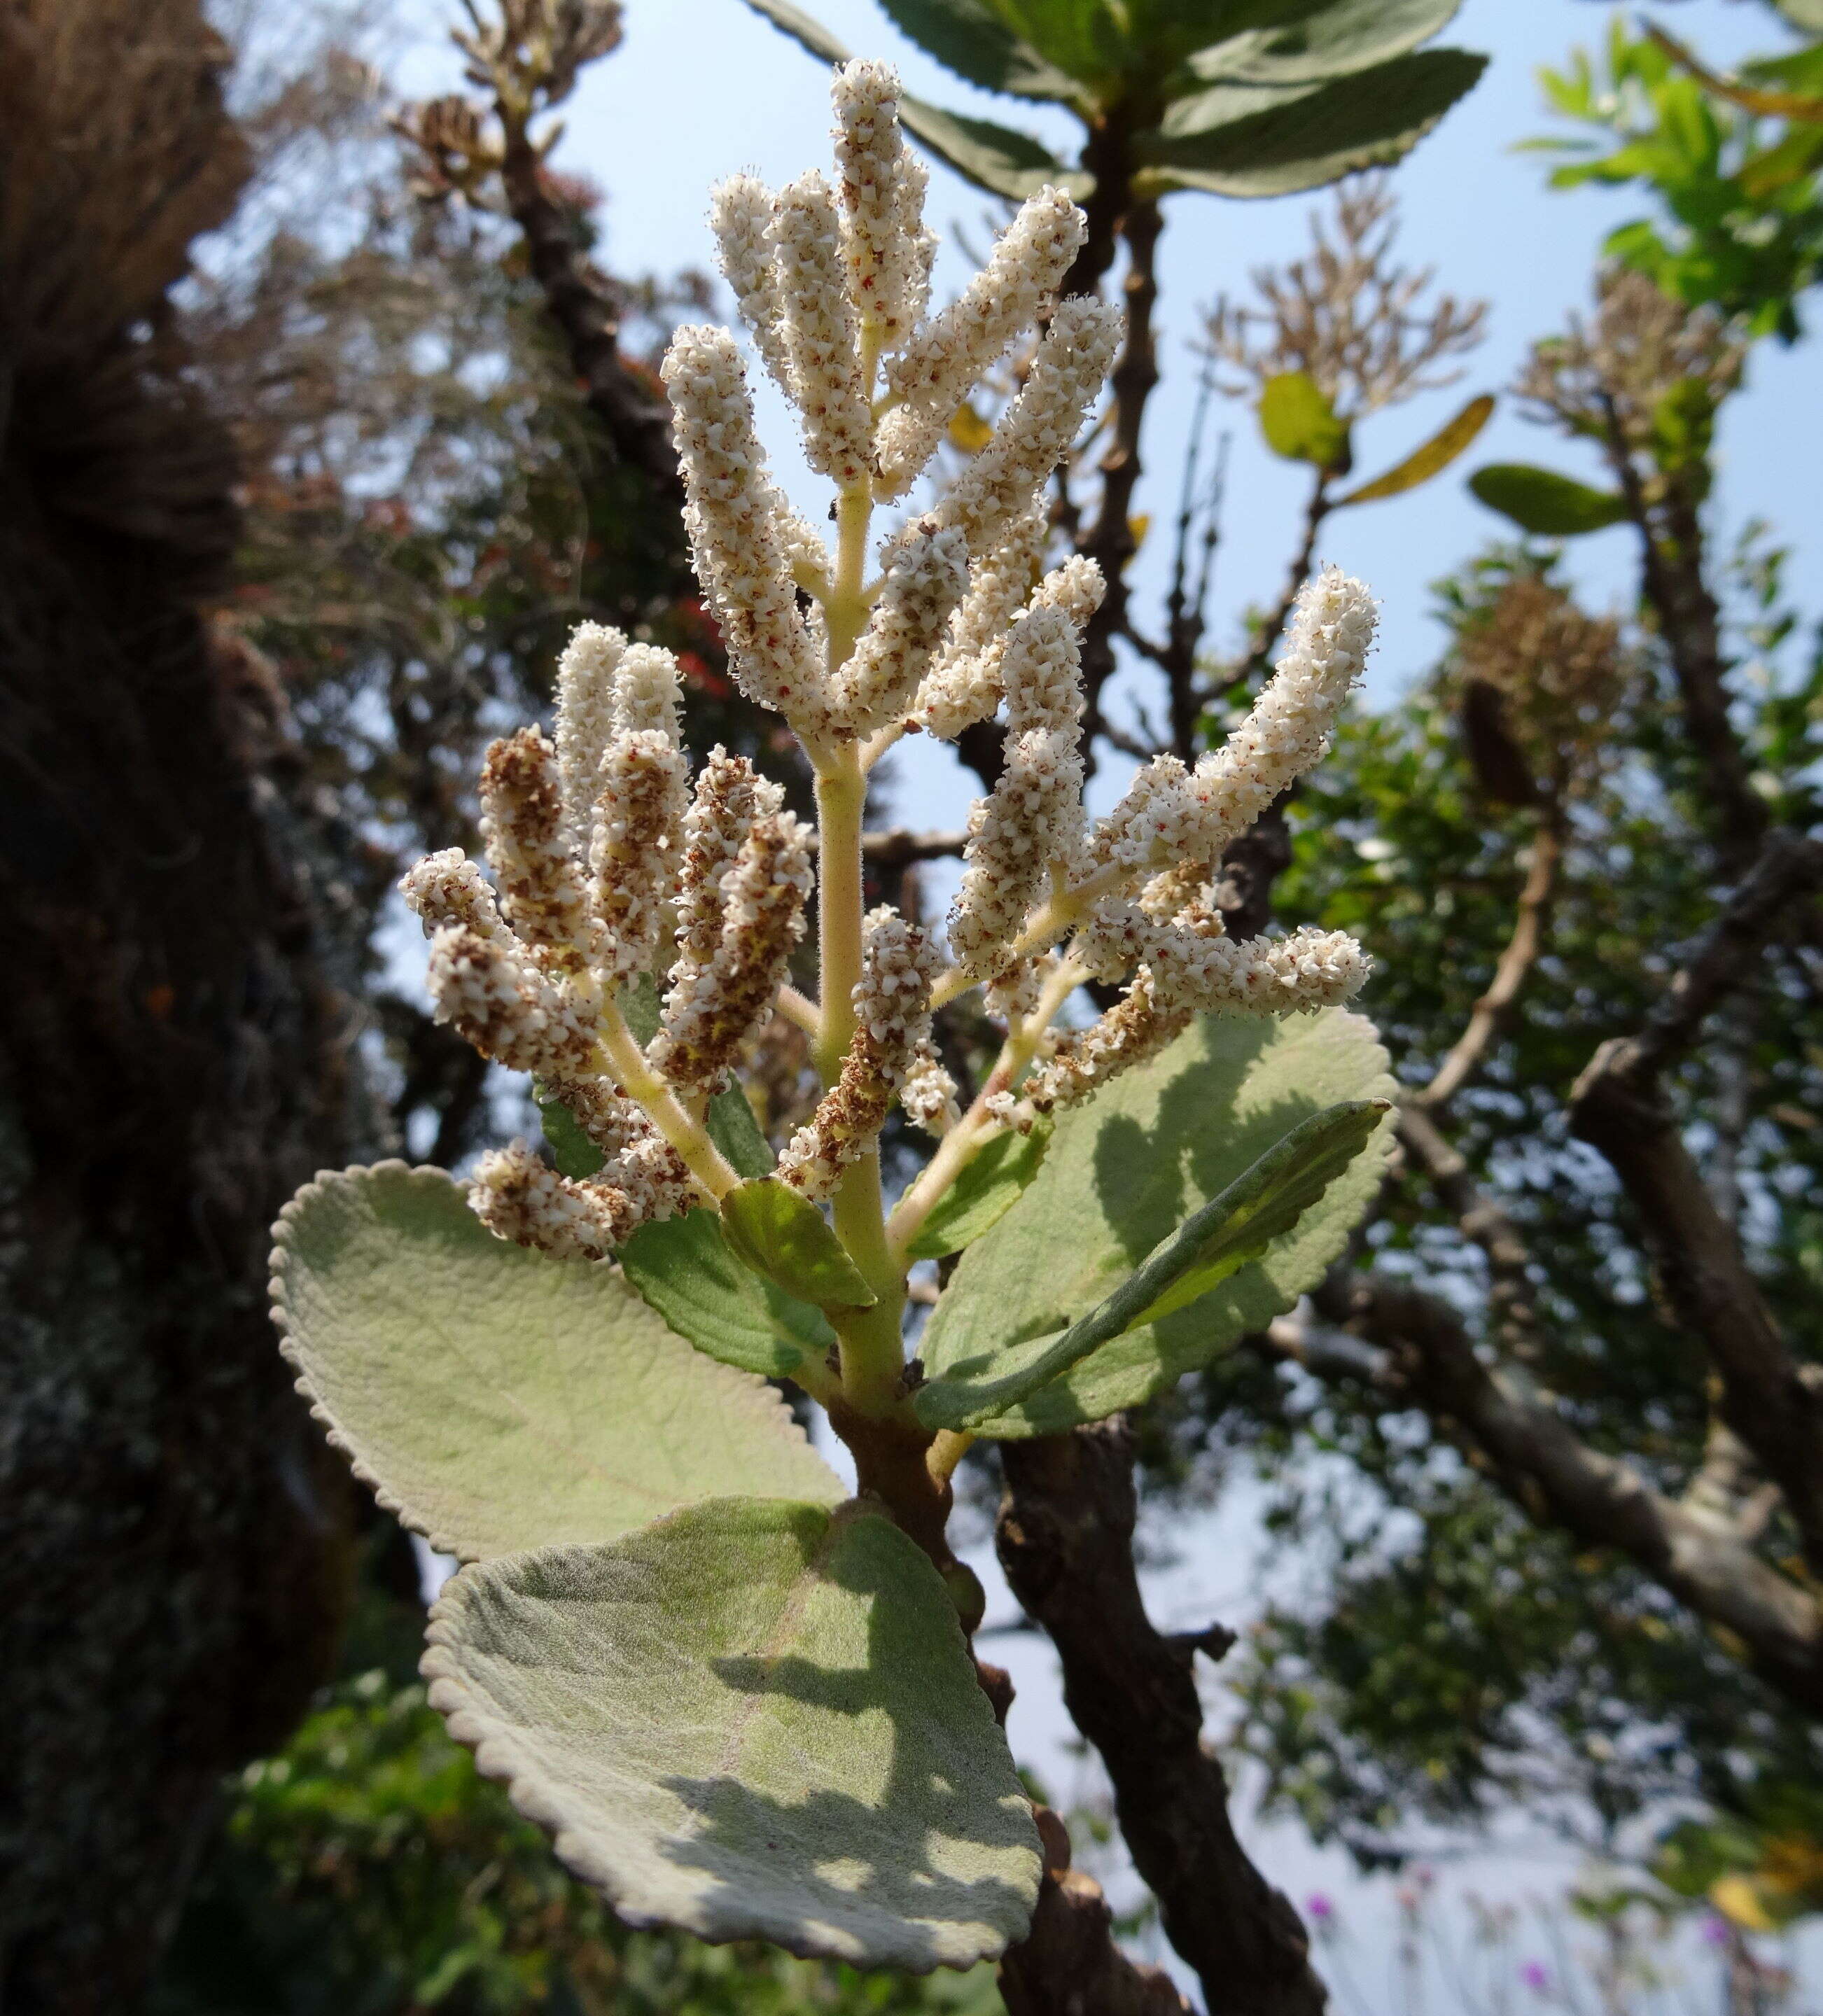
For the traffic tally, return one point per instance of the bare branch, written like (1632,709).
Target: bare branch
(1517,1438)
(1490,1013)
(1065,1540)
(1774,1404)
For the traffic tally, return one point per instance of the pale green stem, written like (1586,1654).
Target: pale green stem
(973,1131)
(951,1446)
(873,1352)
(627,1066)
(799,1009)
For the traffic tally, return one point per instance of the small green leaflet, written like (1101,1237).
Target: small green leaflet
(784,1236)
(1541,501)
(685,1270)
(984,1192)
(1227,1233)
(1423,463)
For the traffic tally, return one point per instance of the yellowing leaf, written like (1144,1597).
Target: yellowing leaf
(1423,463)
(1139,526)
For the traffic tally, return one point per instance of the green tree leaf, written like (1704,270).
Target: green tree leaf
(970,38)
(1301,44)
(1250,140)
(782,1235)
(982,1195)
(685,1270)
(1299,423)
(996,158)
(495,1398)
(1126,1168)
(803,29)
(1436,455)
(752,1720)
(1093,40)
(1227,1234)
(1541,501)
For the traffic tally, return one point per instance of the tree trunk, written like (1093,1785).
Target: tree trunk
(172,1061)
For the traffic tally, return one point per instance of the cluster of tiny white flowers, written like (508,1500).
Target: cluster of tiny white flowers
(938,369)
(888,246)
(924,582)
(892,1016)
(603,851)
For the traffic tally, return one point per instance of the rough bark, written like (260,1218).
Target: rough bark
(172,1064)
(1065,1539)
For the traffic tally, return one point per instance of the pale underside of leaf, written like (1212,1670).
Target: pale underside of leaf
(1124,1170)
(497,1399)
(749,1720)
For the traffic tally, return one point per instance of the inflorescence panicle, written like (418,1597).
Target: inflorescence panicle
(609,863)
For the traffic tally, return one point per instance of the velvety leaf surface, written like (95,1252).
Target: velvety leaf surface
(1124,1171)
(685,1269)
(752,1720)
(982,1195)
(1227,1233)
(498,1399)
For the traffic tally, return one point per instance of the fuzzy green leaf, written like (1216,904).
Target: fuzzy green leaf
(969,38)
(982,1195)
(1126,1168)
(1226,1235)
(497,1399)
(685,1269)
(783,1236)
(750,1720)
(1541,501)
(1252,140)
(1299,43)
(1299,423)
(1436,455)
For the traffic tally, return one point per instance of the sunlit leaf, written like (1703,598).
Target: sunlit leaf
(685,1269)
(1127,1167)
(969,38)
(782,1235)
(1307,45)
(1232,1230)
(1299,423)
(497,1399)
(1436,455)
(750,1720)
(982,1195)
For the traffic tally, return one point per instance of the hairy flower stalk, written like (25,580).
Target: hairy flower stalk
(615,877)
